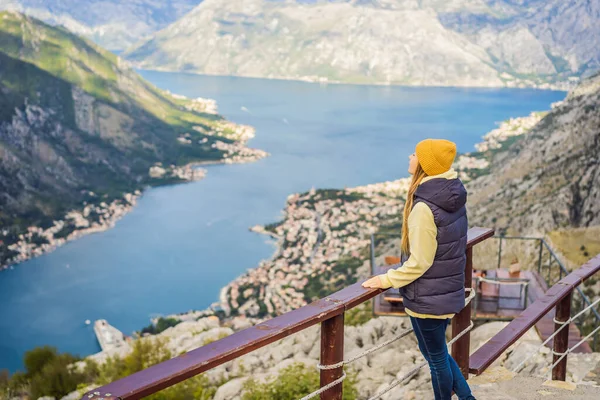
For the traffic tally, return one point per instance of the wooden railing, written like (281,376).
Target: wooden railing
(329,312)
(550,269)
(559,296)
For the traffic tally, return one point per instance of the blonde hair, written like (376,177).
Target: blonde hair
(410,198)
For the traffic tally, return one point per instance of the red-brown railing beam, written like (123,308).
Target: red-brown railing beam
(197,361)
(332,352)
(497,345)
(175,370)
(477,235)
(460,322)
(561,340)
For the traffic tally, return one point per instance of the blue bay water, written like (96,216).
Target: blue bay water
(182,243)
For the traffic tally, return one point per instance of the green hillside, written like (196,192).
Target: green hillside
(76,119)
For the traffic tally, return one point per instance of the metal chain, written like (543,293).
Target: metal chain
(563,325)
(366,352)
(326,387)
(392,385)
(470,297)
(396,382)
(563,355)
(574,347)
(388,342)
(495,282)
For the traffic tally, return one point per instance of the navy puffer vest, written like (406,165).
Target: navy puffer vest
(441,290)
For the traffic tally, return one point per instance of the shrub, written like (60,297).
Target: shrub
(293,382)
(48,373)
(197,388)
(57,378)
(359,315)
(161,325)
(36,359)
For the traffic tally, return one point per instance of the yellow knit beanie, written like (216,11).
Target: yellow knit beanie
(436,155)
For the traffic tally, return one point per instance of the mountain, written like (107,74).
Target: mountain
(550,178)
(113,24)
(560,36)
(428,42)
(78,127)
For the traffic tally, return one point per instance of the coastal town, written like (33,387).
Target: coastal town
(319,228)
(507,129)
(473,164)
(77,223)
(322,228)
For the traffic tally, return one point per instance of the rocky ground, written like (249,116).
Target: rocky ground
(375,371)
(517,388)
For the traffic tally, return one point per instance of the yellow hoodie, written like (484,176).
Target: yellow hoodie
(422,234)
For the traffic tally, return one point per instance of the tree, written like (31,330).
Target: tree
(57,378)
(36,359)
(145,353)
(12,386)
(161,325)
(4,377)
(4,381)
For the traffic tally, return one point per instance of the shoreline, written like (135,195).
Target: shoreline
(28,251)
(563,87)
(37,241)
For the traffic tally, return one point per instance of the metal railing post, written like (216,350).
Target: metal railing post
(332,352)
(540,256)
(561,340)
(462,320)
(500,253)
(550,260)
(475,302)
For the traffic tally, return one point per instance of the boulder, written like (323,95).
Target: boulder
(231,390)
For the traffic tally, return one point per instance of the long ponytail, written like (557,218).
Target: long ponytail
(416,181)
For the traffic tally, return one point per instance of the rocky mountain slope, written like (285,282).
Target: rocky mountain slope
(429,42)
(550,178)
(79,128)
(559,35)
(113,24)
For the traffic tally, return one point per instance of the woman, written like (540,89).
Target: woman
(434,241)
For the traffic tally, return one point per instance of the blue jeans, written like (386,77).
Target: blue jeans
(446,377)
